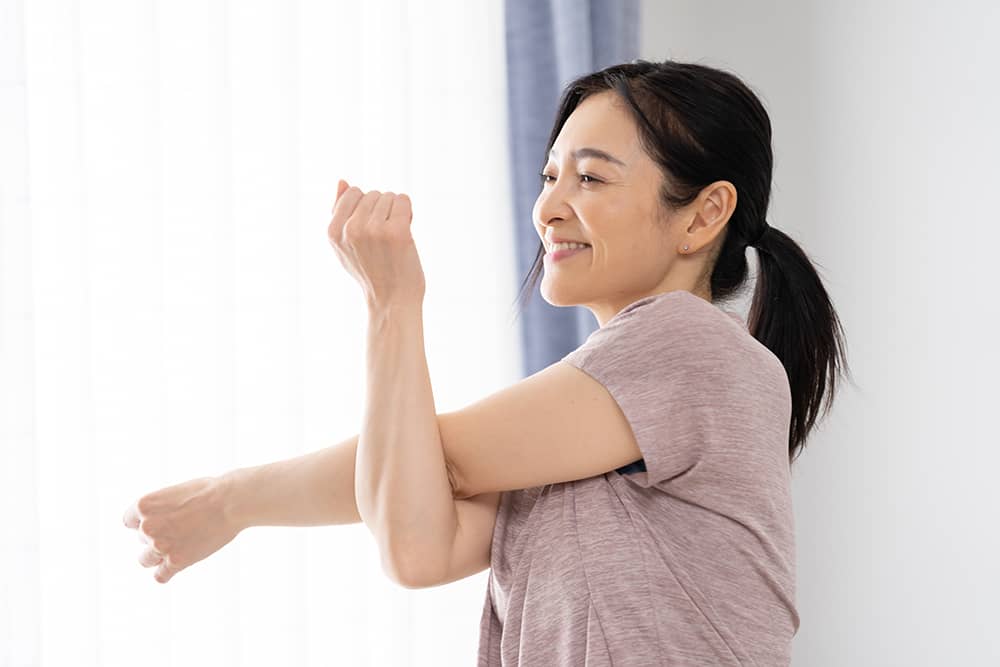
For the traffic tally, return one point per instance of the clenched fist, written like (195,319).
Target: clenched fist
(181,525)
(370,232)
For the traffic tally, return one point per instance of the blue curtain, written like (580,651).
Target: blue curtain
(549,43)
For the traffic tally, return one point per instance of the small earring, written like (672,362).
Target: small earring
(685,247)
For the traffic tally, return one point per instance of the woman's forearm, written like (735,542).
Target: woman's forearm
(314,489)
(404,491)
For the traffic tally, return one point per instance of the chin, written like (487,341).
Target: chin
(557,297)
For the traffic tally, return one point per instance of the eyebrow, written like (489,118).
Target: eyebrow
(587,151)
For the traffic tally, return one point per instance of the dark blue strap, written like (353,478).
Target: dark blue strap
(635,466)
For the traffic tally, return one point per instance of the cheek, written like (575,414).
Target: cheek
(625,254)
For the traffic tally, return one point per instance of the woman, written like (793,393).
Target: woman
(633,499)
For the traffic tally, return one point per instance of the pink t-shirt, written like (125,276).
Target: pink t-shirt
(686,557)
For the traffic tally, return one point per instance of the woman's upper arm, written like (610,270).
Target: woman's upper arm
(557,425)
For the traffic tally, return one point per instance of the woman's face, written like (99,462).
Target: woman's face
(613,205)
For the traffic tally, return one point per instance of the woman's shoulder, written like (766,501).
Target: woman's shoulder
(680,308)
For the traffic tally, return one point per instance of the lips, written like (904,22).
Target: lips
(563,254)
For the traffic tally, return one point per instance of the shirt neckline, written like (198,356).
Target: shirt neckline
(653,297)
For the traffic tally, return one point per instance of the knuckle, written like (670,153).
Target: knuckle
(149,558)
(165,570)
(144,505)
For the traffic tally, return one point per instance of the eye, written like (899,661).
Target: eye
(592,179)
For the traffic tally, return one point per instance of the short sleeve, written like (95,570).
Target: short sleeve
(664,360)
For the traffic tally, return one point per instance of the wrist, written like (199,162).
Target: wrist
(386,313)
(231,494)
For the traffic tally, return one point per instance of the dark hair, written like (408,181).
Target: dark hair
(701,125)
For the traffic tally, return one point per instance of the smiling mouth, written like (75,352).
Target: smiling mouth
(552,248)
(563,253)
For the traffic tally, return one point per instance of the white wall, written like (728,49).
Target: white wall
(885,121)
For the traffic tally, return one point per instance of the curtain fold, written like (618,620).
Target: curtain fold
(550,43)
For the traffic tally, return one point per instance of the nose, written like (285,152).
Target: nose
(550,205)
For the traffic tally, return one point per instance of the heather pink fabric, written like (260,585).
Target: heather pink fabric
(690,562)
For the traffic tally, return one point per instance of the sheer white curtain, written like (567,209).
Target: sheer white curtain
(170,307)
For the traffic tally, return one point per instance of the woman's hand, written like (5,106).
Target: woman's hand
(181,525)
(371,234)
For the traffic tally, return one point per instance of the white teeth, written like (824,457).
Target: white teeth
(566,246)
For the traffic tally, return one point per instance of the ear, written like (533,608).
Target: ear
(720,203)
